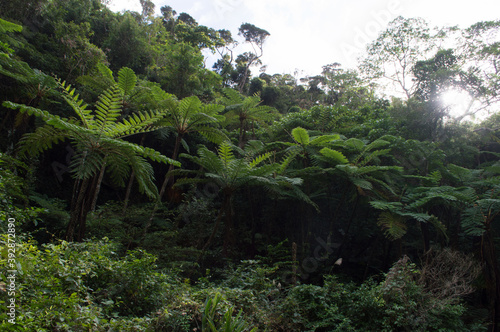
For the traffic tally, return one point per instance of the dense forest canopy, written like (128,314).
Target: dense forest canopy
(142,191)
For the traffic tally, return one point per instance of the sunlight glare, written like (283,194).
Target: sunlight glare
(457,101)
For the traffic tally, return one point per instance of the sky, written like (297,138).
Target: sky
(308,34)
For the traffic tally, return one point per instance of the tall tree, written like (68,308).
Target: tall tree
(393,54)
(255,37)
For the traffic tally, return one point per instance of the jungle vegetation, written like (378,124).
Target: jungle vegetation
(142,191)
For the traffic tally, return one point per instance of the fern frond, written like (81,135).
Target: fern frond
(188,107)
(118,167)
(212,134)
(473,221)
(386,206)
(354,144)
(300,135)
(42,139)
(226,153)
(6,26)
(259,159)
(289,157)
(438,225)
(371,156)
(126,80)
(144,176)
(78,105)
(232,97)
(322,140)
(140,122)
(108,109)
(394,225)
(44,115)
(334,156)
(86,163)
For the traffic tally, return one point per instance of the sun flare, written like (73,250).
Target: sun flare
(458,102)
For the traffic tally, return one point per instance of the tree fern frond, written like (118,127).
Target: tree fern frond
(322,140)
(105,72)
(212,134)
(7,26)
(44,115)
(289,157)
(354,144)
(42,139)
(226,153)
(231,97)
(334,156)
(140,122)
(126,80)
(108,109)
(473,221)
(438,225)
(386,206)
(78,105)
(377,144)
(300,135)
(86,163)
(144,176)
(118,167)
(371,156)
(394,225)
(259,159)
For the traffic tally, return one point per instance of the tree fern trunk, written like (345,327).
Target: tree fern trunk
(77,213)
(229,226)
(175,154)
(128,191)
(177,145)
(97,187)
(131,181)
(241,140)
